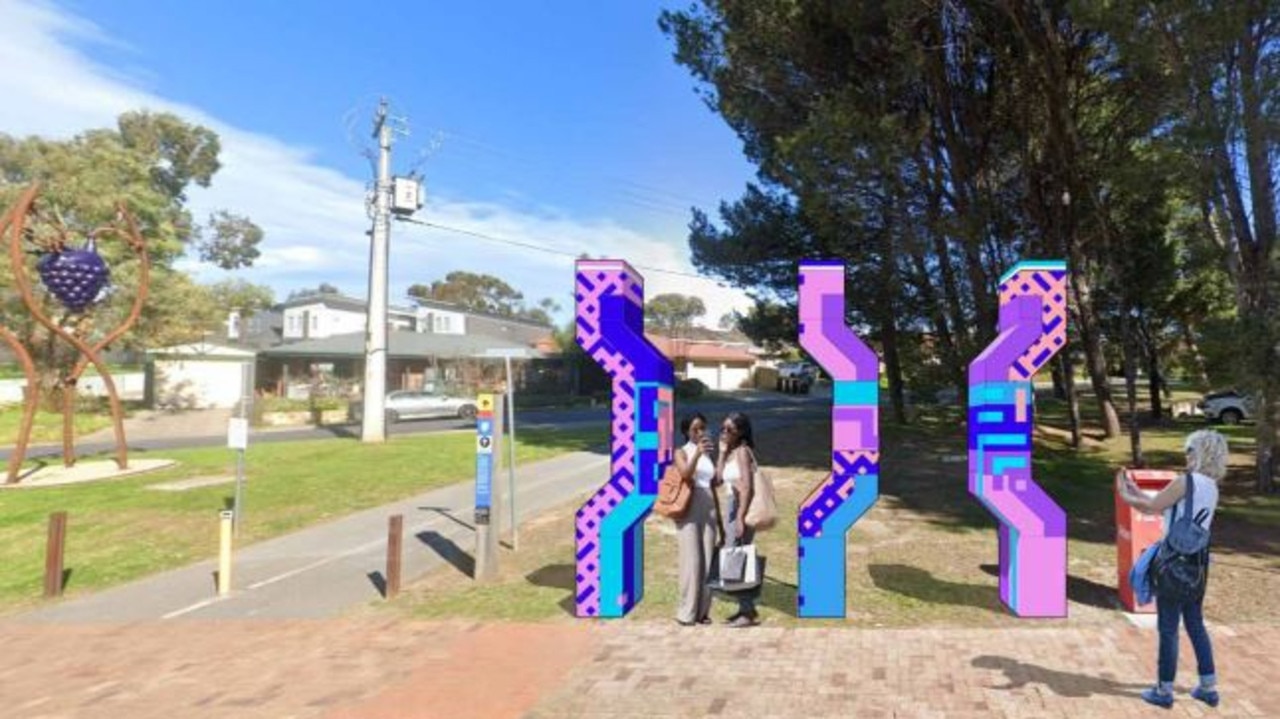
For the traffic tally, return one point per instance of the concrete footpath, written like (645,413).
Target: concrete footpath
(327,569)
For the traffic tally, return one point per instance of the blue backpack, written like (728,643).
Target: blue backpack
(1180,568)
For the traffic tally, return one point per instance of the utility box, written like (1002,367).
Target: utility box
(1136,531)
(406,195)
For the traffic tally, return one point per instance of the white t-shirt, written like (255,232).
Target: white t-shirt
(1206,498)
(704,471)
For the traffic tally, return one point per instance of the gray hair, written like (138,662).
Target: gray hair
(1208,454)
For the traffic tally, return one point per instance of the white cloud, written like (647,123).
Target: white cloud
(313,217)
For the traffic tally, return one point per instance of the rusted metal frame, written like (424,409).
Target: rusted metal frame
(20,213)
(133,238)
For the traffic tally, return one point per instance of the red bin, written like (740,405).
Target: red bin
(1136,531)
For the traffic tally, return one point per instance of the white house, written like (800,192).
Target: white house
(328,315)
(200,375)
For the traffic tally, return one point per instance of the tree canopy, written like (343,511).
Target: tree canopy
(933,146)
(484,293)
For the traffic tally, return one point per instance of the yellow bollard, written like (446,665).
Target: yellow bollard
(224,554)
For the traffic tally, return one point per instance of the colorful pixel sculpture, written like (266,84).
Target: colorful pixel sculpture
(1033,529)
(610,526)
(832,508)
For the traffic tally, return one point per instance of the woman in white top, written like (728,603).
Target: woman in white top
(696,532)
(735,466)
(1206,465)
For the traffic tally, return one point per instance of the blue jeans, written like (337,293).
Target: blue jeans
(1168,612)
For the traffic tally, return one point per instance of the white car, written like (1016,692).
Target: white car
(419,404)
(1229,407)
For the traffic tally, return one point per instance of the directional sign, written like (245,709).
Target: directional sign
(484,457)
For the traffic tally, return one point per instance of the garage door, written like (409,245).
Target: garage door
(197,384)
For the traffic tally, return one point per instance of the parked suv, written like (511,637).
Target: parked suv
(417,404)
(1229,407)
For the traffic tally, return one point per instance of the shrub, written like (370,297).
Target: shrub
(690,388)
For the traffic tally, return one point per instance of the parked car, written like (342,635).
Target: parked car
(797,375)
(418,404)
(1228,407)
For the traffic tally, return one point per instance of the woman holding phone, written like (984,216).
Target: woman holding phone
(697,531)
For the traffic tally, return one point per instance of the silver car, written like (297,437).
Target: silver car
(420,404)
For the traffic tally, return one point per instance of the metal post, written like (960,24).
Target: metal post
(395,533)
(53,555)
(374,427)
(246,396)
(224,553)
(511,459)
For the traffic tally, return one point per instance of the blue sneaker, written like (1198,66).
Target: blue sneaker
(1208,696)
(1157,697)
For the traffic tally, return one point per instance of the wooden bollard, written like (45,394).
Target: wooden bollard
(395,532)
(53,555)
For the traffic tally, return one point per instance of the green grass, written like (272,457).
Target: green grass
(119,531)
(48,425)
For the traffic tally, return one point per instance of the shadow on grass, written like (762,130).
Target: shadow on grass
(922,586)
(449,551)
(1079,590)
(558,576)
(1064,684)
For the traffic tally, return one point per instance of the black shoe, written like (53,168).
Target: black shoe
(732,618)
(704,620)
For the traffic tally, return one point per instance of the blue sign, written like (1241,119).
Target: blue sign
(484,481)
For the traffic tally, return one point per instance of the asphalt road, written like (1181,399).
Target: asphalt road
(752,403)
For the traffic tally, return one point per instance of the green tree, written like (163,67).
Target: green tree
(241,294)
(478,292)
(148,161)
(324,288)
(673,313)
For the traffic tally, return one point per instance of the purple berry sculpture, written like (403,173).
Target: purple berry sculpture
(75,277)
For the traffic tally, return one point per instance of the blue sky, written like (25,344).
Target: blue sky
(566,124)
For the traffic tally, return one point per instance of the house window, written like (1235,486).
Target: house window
(293,324)
(443,324)
(315,322)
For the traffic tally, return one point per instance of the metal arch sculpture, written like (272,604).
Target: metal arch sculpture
(76,278)
(827,514)
(609,534)
(1033,528)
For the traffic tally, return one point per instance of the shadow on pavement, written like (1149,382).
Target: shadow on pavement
(379,583)
(1079,590)
(444,512)
(1064,684)
(558,576)
(449,551)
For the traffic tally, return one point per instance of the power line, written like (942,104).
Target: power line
(541,248)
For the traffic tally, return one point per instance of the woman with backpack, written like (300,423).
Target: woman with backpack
(1179,571)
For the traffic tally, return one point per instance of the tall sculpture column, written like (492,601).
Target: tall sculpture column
(835,505)
(610,526)
(1033,529)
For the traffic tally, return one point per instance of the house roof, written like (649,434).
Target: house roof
(695,351)
(400,345)
(355,304)
(201,349)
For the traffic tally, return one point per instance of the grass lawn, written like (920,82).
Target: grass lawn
(48,425)
(119,530)
(926,553)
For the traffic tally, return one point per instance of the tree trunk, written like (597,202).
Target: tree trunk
(1090,336)
(1073,398)
(1155,379)
(1131,389)
(1200,367)
(1059,382)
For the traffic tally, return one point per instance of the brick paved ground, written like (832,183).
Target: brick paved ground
(367,669)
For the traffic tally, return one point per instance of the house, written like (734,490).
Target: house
(720,360)
(200,375)
(317,342)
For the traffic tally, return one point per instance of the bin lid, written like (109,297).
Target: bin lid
(1152,478)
